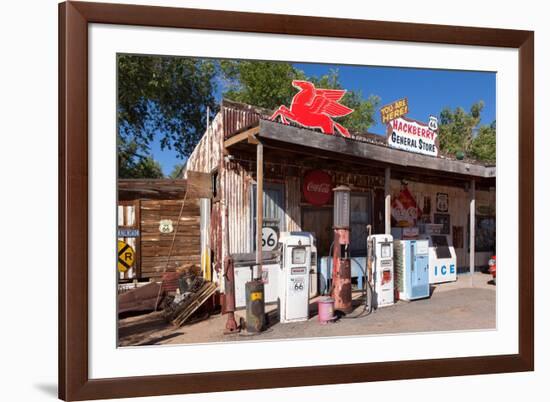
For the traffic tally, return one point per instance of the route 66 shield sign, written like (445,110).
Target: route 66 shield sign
(166,226)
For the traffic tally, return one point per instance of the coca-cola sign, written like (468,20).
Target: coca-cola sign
(317,187)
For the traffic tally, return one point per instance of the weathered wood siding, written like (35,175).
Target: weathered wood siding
(209,151)
(237,187)
(155,246)
(293,194)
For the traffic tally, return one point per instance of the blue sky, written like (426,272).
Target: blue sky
(428,92)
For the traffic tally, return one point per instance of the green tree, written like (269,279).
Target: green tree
(456,129)
(260,83)
(485,143)
(163,98)
(363,110)
(176,171)
(133,165)
(269,85)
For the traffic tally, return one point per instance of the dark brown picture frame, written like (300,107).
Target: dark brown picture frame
(74,381)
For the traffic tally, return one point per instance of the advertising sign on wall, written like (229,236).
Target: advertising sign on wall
(412,136)
(404,208)
(315,108)
(317,187)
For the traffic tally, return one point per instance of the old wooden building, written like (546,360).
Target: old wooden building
(299,167)
(161,222)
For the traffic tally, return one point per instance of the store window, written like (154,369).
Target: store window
(361,216)
(485,233)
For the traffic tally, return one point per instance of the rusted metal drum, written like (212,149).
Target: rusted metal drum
(255,306)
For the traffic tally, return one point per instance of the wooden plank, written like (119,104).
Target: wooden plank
(245,135)
(134,189)
(472,230)
(387,201)
(199,185)
(340,145)
(137,223)
(204,293)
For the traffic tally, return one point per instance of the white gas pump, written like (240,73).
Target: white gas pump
(382,269)
(294,276)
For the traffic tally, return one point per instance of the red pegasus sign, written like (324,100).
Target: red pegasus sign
(314,108)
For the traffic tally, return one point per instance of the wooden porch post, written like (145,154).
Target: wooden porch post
(259,207)
(472,230)
(387,201)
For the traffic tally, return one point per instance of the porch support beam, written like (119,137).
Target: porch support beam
(387,200)
(259,207)
(472,230)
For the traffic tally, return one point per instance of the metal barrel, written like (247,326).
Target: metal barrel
(255,306)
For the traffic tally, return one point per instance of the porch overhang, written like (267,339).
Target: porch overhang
(273,133)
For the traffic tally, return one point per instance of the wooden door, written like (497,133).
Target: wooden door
(319,222)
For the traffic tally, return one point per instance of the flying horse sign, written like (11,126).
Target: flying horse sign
(314,108)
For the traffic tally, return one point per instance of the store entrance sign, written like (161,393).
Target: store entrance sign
(412,136)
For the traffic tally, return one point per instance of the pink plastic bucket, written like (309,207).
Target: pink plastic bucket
(326,310)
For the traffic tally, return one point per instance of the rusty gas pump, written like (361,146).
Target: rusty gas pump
(341,266)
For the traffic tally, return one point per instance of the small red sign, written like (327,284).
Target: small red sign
(317,187)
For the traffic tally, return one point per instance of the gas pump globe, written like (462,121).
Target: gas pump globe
(341,207)
(341,267)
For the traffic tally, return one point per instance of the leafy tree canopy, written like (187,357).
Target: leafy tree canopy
(269,85)
(133,165)
(176,171)
(165,97)
(460,131)
(484,144)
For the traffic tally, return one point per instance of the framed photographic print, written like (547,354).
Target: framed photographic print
(239,191)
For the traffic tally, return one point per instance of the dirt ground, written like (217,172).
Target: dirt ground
(452,306)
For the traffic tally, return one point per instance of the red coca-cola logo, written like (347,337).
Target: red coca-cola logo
(317,187)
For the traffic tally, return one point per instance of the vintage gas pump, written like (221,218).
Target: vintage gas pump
(341,267)
(380,249)
(294,276)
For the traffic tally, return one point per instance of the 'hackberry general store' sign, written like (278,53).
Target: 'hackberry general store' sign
(412,136)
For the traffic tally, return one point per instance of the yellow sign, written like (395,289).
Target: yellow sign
(126,256)
(394,110)
(256,296)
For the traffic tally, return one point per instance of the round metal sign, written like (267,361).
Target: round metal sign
(317,187)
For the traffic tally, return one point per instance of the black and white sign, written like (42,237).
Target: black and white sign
(269,238)
(442,202)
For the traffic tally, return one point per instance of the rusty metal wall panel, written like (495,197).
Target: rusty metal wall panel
(237,192)
(235,120)
(292,204)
